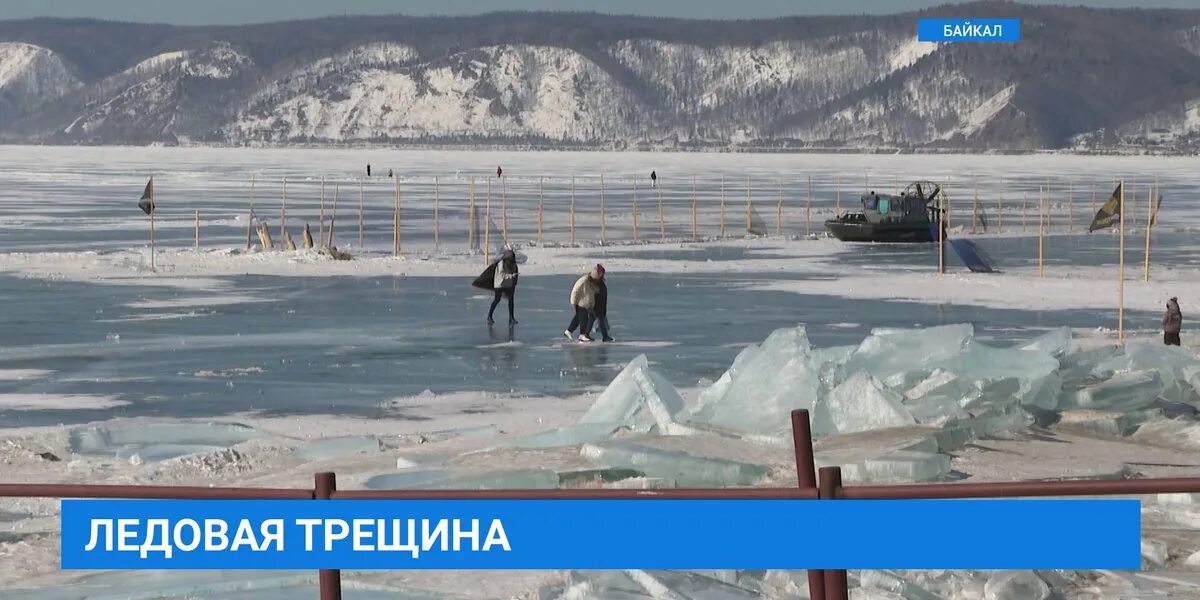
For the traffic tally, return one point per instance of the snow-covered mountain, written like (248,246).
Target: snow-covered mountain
(1080,77)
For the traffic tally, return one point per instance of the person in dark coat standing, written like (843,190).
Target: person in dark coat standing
(501,277)
(368,169)
(1172,322)
(499,172)
(653,179)
(600,310)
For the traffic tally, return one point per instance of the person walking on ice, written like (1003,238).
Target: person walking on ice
(583,300)
(501,277)
(1172,322)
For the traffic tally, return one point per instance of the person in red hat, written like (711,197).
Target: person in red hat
(583,300)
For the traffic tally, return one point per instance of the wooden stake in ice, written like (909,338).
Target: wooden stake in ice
(635,211)
(975,207)
(1151,220)
(250,217)
(838,208)
(808,209)
(437,227)
(1070,205)
(396,210)
(283,211)
(1041,227)
(321,214)
(487,224)
(333,215)
(1000,208)
(695,231)
(603,216)
(749,225)
(308,238)
(662,218)
(779,210)
(153,209)
(1121,272)
(941,225)
(471,215)
(722,207)
(1024,205)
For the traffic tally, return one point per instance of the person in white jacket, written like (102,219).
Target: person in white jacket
(583,298)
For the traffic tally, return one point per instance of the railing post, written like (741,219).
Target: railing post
(836,585)
(329,580)
(806,478)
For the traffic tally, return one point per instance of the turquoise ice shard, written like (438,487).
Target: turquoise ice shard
(860,403)
(687,470)
(637,397)
(763,386)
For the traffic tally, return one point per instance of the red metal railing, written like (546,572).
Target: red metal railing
(823,585)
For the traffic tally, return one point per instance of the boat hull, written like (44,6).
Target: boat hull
(885,233)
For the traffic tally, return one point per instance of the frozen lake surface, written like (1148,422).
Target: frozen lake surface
(346,345)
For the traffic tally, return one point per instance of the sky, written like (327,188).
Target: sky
(232,12)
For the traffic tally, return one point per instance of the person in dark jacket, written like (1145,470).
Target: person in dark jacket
(501,277)
(1172,322)
(600,310)
(368,169)
(653,179)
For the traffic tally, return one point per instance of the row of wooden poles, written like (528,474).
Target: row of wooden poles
(1043,219)
(325,237)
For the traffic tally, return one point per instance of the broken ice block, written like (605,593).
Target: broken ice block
(890,582)
(1056,343)
(638,397)
(1036,373)
(686,584)
(889,352)
(1098,421)
(157,441)
(337,447)
(1079,365)
(939,398)
(859,404)
(1176,367)
(440,479)
(581,477)
(757,394)
(898,466)
(1125,391)
(1015,585)
(685,469)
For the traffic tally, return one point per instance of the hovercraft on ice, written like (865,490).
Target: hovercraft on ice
(908,217)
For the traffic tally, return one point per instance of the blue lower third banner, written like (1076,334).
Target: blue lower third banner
(601,534)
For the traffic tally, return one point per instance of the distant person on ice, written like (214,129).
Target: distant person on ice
(500,277)
(600,310)
(499,171)
(653,179)
(1172,322)
(368,169)
(583,300)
